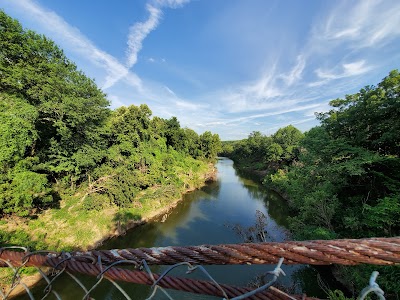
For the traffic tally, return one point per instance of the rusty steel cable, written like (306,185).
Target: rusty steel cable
(134,276)
(376,251)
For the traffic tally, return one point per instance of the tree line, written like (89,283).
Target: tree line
(262,152)
(58,134)
(341,178)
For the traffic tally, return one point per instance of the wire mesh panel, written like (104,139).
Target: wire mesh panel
(111,267)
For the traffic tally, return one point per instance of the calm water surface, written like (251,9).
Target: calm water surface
(203,217)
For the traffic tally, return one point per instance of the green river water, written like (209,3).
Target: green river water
(205,216)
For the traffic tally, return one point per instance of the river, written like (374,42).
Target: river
(205,216)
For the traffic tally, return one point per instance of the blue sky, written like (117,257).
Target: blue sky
(228,66)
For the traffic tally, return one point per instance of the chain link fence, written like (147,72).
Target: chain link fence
(159,283)
(132,266)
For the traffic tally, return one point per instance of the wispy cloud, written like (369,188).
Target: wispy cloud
(282,83)
(170,91)
(190,106)
(346,70)
(262,115)
(368,23)
(273,90)
(296,73)
(77,41)
(171,3)
(264,87)
(116,101)
(249,96)
(332,55)
(349,25)
(139,31)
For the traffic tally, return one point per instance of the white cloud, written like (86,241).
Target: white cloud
(80,44)
(296,73)
(262,115)
(170,91)
(190,106)
(355,68)
(171,3)
(250,96)
(263,88)
(139,31)
(115,101)
(76,41)
(346,70)
(368,23)
(273,90)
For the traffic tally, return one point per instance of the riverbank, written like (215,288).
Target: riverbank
(164,207)
(205,216)
(70,227)
(259,172)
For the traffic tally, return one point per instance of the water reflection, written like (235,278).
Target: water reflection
(201,218)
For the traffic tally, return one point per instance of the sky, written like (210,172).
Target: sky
(227,66)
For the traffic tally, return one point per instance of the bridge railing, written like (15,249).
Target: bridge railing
(108,265)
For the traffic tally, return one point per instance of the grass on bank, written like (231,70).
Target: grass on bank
(79,224)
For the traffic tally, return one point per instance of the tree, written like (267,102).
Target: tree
(346,181)
(210,144)
(174,134)
(131,124)
(57,132)
(368,118)
(192,142)
(68,107)
(258,144)
(288,139)
(18,134)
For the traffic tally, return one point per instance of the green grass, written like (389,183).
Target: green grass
(73,226)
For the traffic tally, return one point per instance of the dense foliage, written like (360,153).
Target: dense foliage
(342,180)
(348,169)
(259,151)
(57,133)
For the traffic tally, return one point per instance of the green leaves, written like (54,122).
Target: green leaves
(346,181)
(17,129)
(26,190)
(65,108)
(384,216)
(369,118)
(55,125)
(347,175)
(209,144)
(131,124)
(264,152)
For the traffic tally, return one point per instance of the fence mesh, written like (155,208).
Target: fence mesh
(51,265)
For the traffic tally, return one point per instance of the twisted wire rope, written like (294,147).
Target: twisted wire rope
(120,274)
(377,251)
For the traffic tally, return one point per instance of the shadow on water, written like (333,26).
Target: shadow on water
(201,218)
(277,206)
